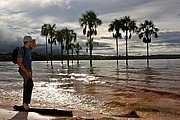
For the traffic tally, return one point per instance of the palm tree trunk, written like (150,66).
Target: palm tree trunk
(62,53)
(68,55)
(117,49)
(72,56)
(126,46)
(46,50)
(147,54)
(68,58)
(51,54)
(78,58)
(90,51)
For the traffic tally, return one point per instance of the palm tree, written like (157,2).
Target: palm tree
(91,42)
(77,49)
(51,33)
(44,32)
(116,25)
(129,27)
(89,22)
(69,36)
(146,31)
(60,39)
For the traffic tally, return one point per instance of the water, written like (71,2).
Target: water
(105,88)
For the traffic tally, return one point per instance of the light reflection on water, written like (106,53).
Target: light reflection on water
(93,89)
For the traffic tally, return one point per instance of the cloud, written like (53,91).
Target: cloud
(168,42)
(22,17)
(8,41)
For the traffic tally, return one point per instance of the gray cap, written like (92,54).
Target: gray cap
(27,38)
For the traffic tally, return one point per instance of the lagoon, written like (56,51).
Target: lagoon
(106,88)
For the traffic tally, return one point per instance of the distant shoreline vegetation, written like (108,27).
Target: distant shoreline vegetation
(43,57)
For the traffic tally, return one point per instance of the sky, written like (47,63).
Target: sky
(25,17)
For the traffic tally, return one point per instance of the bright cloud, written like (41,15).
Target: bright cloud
(22,17)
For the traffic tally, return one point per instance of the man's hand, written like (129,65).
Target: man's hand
(34,44)
(29,74)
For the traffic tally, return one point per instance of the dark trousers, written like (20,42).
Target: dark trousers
(28,86)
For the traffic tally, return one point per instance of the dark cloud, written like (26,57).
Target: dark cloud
(168,37)
(104,37)
(26,17)
(8,41)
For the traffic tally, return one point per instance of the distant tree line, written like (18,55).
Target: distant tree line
(44,57)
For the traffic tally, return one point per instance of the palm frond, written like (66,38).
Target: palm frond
(147,30)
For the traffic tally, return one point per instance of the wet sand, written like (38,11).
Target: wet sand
(148,104)
(6,113)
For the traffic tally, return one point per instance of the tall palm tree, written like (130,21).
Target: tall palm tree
(51,32)
(91,42)
(116,25)
(44,32)
(129,27)
(77,49)
(69,36)
(146,31)
(89,22)
(60,39)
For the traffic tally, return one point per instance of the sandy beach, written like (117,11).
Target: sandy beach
(7,113)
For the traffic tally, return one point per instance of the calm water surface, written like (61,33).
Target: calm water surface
(93,89)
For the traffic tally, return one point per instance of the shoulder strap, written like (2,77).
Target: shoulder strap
(24,51)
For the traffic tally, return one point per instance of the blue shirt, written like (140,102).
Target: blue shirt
(27,58)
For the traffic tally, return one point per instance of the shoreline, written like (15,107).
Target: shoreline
(7,113)
(44,57)
(145,110)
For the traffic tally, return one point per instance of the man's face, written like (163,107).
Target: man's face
(30,43)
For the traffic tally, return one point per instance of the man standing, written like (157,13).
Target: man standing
(25,69)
